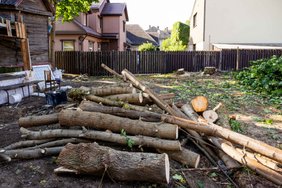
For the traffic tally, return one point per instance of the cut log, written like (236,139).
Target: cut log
(187,109)
(210,115)
(228,161)
(180,71)
(261,159)
(32,154)
(116,124)
(61,142)
(130,98)
(209,70)
(106,91)
(217,131)
(110,70)
(200,104)
(185,156)
(135,98)
(120,165)
(32,121)
(144,141)
(132,114)
(109,102)
(158,101)
(253,164)
(26,143)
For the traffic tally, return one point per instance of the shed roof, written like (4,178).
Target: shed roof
(15,3)
(137,36)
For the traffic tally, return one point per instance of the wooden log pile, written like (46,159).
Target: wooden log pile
(121,115)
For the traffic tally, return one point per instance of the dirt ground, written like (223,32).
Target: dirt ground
(39,172)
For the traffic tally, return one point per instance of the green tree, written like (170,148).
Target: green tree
(147,47)
(66,10)
(179,38)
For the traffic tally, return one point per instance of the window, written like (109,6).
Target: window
(90,46)
(124,26)
(68,45)
(194,47)
(195,20)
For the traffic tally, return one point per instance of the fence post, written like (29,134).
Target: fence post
(138,61)
(237,59)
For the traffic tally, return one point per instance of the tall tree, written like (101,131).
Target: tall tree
(66,10)
(179,38)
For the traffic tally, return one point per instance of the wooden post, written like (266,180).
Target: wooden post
(237,58)
(8,26)
(25,54)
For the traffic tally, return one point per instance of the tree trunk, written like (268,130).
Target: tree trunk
(185,156)
(253,164)
(120,165)
(109,102)
(106,91)
(158,101)
(117,111)
(33,121)
(217,131)
(144,141)
(110,70)
(116,124)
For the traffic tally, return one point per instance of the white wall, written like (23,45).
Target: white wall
(196,33)
(242,21)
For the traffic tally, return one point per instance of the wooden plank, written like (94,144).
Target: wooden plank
(26,54)
(8,26)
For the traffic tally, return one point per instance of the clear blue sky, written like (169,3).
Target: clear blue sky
(162,13)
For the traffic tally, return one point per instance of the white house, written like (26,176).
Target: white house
(236,23)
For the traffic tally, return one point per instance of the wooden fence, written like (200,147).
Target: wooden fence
(158,62)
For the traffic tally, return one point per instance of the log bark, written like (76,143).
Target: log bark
(116,124)
(120,165)
(187,109)
(261,159)
(106,91)
(26,143)
(253,164)
(144,141)
(110,70)
(33,121)
(130,98)
(158,101)
(109,102)
(185,156)
(132,114)
(32,154)
(217,131)
(200,103)
(135,98)
(61,142)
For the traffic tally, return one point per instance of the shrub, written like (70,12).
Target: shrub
(147,47)
(264,76)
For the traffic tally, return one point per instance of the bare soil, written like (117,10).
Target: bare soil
(39,172)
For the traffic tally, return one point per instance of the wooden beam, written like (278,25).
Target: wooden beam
(25,54)
(8,26)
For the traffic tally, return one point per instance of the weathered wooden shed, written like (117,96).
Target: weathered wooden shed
(34,14)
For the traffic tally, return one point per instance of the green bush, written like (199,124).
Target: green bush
(264,76)
(147,47)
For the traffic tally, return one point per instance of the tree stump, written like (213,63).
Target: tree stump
(209,70)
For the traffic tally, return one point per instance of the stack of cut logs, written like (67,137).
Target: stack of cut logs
(121,115)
